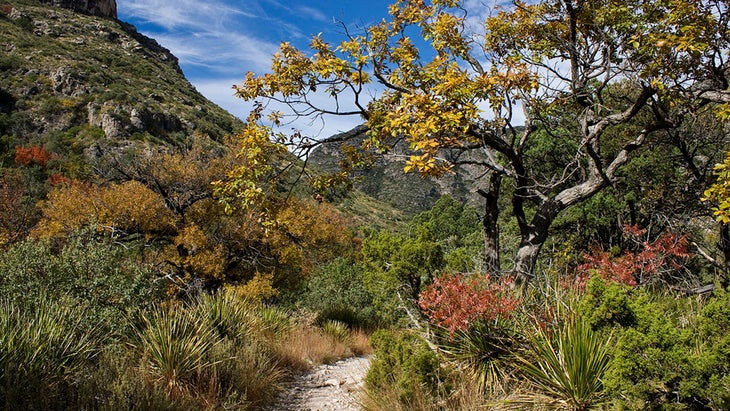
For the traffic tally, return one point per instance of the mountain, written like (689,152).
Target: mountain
(104,8)
(386,181)
(73,75)
(77,69)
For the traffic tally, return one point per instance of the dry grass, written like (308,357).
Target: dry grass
(306,346)
(390,400)
(359,343)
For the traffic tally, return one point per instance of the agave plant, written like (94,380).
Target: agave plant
(565,368)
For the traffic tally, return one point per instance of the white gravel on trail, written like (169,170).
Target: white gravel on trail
(329,387)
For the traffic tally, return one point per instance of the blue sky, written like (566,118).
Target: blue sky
(218,41)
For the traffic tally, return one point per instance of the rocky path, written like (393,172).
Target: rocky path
(329,387)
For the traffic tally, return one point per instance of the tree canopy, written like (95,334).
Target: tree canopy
(595,80)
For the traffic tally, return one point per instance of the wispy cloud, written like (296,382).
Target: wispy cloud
(218,41)
(211,35)
(311,13)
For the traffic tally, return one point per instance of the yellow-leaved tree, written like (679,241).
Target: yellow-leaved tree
(594,79)
(719,194)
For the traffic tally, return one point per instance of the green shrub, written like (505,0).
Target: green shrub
(336,292)
(88,273)
(676,356)
(404,363)
(606,305)
(395,269)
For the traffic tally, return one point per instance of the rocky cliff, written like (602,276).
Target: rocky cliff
(103,8)
(63,71)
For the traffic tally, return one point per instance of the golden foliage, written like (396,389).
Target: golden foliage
(258,288)
(308,234)
(196,253)
(719,193)
(126,208)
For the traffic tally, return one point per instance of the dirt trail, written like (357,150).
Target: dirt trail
(326,388)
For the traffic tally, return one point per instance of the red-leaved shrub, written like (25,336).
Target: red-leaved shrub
(632,268)
(25,156)
(455,301)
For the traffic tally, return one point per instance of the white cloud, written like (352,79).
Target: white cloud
(221,92)
(311,13)
(211,35)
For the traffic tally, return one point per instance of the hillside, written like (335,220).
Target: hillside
(73,78)
(386,182)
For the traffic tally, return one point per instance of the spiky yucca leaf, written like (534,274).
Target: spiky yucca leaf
(175,346)
(231,316)
(337,330)
(566,367)
(485,350)
(41,347)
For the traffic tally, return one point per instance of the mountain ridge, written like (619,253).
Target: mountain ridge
(385,180)
(61,69)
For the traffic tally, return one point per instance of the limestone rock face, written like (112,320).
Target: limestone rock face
(103,8)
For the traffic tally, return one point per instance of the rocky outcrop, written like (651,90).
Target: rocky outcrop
(65,73)
(102,8)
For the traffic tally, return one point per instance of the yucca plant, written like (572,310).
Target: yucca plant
(175,346)
(565,368)
(337,330)
(41,349)
(231,316)
(275,322)
(484,348)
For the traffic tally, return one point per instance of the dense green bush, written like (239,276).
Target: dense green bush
(676,355)
(92,274)
(336,292)
(396,266)
(405,363)
(606,305)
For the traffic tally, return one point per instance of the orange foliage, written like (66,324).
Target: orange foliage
(58,179)
(455,302)
(25,156)
(126,208)
(633,268)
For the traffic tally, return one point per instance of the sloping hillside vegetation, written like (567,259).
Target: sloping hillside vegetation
(156,253)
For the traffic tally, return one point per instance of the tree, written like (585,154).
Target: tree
(18,212)
(595,78)
(719,193)
(396,268)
